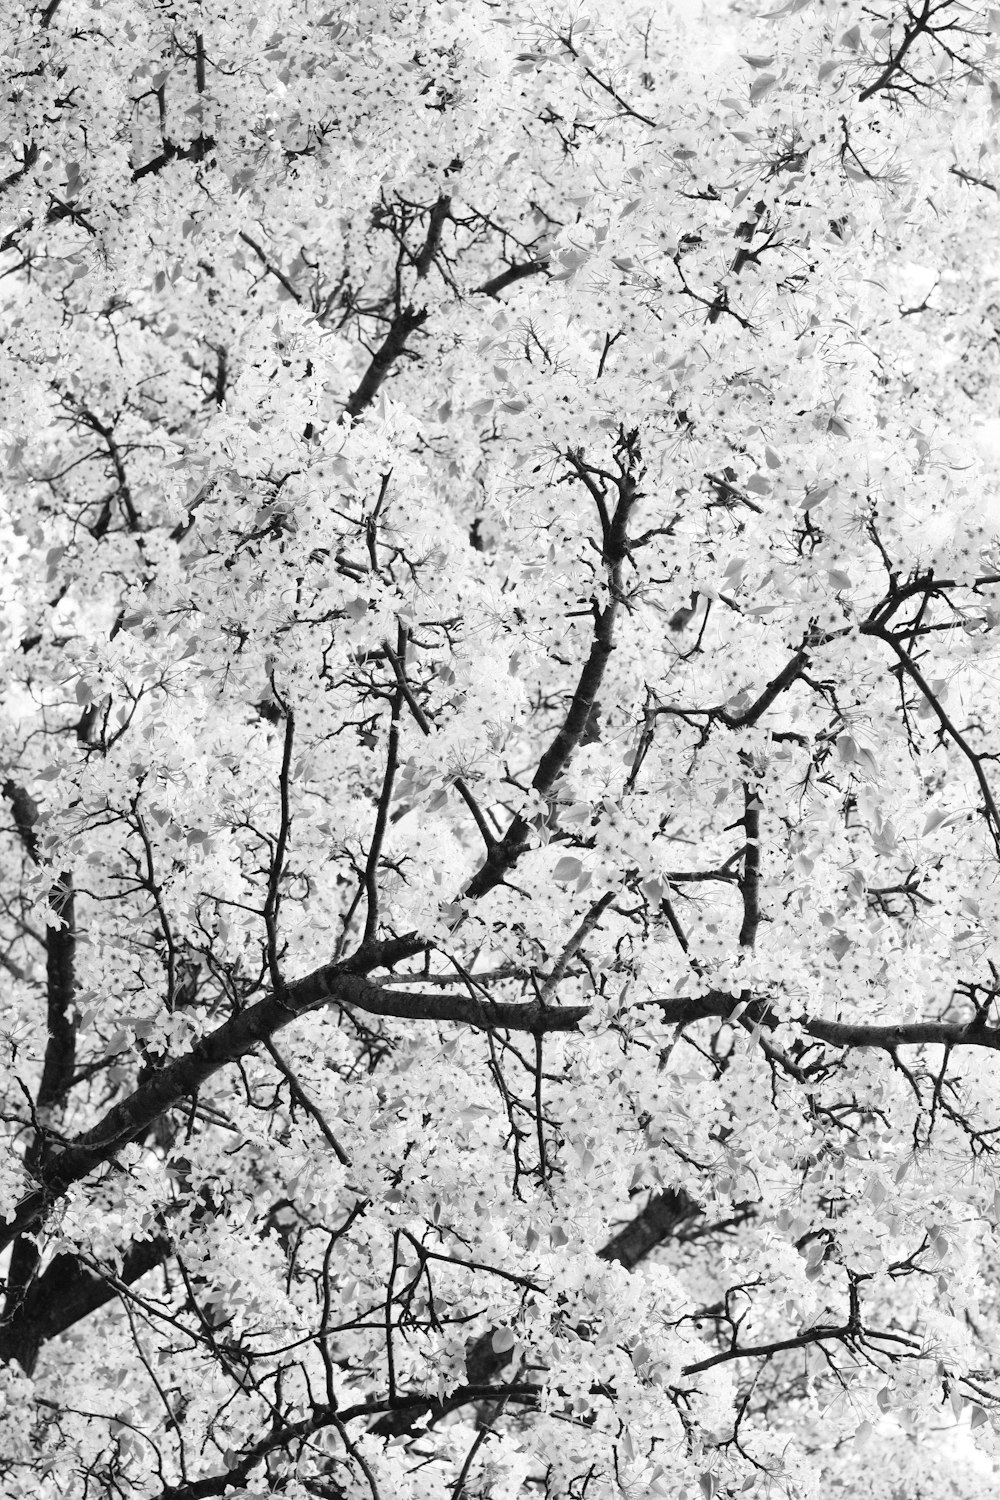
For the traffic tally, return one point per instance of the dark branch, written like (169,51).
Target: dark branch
(271,268)
(750,878)
(65,1292)
(516,272)
(334,984)
(385,356)
(554,761)
(663,1218)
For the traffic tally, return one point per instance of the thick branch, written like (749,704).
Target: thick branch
(407,319)
(663,1217)
(516,272)
(385,798)
(554,761)
(28,161)
(66,1292)
(25,810)
(59,1060)
(181,1078)
(911,1034)
(767,1351)
(749,881)
(385,356)
(895,62)
(60,950)
(789,673)
(197,151)
(438,217)
(683,1011)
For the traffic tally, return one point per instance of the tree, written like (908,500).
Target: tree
(499,895)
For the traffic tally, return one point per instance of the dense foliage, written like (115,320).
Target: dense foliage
(501,818)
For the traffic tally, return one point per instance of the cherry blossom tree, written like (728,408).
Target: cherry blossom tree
(499,904)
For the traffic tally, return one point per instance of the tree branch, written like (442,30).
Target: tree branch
(59,1061)
(506,851)
(66,1292)
(385,356)
(516,272)
(789,673)
(749,880)
(25,810)
(407,319)
(663,1217)
(179,1079)
(909,666)
(438,217)
(684,1010)
(895,62)
(271,268)
(767,1351)
(328,1416)
(385,797)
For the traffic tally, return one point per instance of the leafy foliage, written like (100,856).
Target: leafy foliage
(501,614)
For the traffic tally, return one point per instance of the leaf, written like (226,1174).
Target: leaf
(866,762)
(502,1340)
(790,8)
(933,820)
(816,496)
(568,868)
(839,945)
(762,85)
(876,1191)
